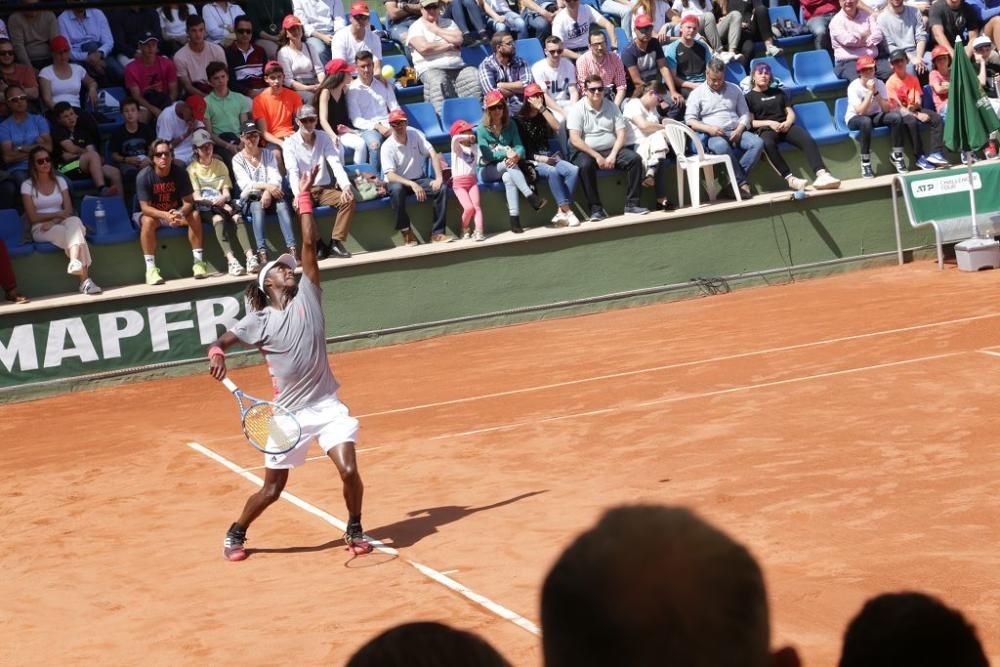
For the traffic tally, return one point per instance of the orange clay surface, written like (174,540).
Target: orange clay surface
(843,428)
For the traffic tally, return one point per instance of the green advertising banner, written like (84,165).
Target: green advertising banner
(943,196)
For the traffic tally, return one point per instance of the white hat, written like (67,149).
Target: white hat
(982,40)
(285,259)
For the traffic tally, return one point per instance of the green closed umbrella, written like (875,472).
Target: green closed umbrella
(970,118)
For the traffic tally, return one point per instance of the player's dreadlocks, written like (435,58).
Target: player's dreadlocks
(255,297)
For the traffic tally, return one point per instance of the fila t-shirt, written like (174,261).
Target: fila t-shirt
(557,80)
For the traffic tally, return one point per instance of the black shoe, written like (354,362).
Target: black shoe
(322,249)
(598,213)
(337,249)
(515,224)
(262,257)
(665,206)
(537,202)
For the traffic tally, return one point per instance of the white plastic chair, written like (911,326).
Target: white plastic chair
(677,135)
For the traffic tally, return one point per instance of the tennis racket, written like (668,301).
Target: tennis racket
(269,427)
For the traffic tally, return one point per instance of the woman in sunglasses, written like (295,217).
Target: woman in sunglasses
(49,209)
(774,121)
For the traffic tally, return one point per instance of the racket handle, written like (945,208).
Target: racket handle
(230,385)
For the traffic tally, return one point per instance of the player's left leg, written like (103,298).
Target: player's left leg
(343,456)
(274,484)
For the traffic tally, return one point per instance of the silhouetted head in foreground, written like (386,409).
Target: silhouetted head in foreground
(427,644)
(911,630)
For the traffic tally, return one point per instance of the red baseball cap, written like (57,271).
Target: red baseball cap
(460,126)
(939,51)
(643,21)
(533,89)
(492,98)
(271,66)
(337,66)
(290,21)
(360,9)
(397,115)
(198,106)
(59,43)
(691,18)
(864,62)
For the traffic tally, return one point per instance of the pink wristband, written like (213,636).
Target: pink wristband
(214,350)
(305,203)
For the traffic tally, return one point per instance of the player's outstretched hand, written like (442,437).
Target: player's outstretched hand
(307,178)
(217,366)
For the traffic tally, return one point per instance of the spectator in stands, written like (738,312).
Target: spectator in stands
(334,114)
(31,32)
(177,124)
(246,60)
(357,37)
(902,27)
(91,44)
(683,593)
(949,19)
(725,29)
(405,155)
(557,76)
(267,17)
(505,71)
(854,33)
(61,82)
(129,26)
(906,95)
(401,14)
(173,26)
(49,209)
(437,57)
(645,62)
(369,102)
(75,152)
(166,199)
(868,107)
(940,78)
(645,135)
(500,152)
(321,20)
(597,141)
(8,281)
(573,24)
(259,180)
(301,66)
(606,64)
(910,628)
(538,15)
(275,108)
(220,22)
(818,14)
(12,72)
(427,644)
(129,145)
(774,122)
(464,161)
(718,111)
(151,79)
(332,186)
(986,61)
(537,126)
(501,18)
(756,27)
(225,112)
(213,192)
(687,57)
(20,133)
(193,58)
(468,16)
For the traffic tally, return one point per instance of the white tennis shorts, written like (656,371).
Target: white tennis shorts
(329,422)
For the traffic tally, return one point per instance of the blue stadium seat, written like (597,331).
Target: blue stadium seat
(116,227)
(839,113)
(623,40)
(473,55)
(785,12)
(422,117)
(814,70)
(530,49)
(399,62)
(780,71)
(12,233)
(735,72)
(464,108)
(815,118)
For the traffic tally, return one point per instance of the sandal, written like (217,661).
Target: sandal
(16,297)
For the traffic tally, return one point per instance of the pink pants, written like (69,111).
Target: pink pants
(467,191)
(68,233)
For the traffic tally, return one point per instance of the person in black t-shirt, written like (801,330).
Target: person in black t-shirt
(688,57)
(129,144)
(75,151)
(645,62)
(949,19)
(774,121)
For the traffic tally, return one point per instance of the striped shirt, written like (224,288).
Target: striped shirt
(491,72)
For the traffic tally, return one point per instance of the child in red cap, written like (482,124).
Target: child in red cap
(464,159)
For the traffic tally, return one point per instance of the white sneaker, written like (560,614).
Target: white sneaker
(467,234)
(571,219)
(796,183)
(559,219)
(478,236)
(88,286)
(725,56)
(774,50)
(253,266)
(75,267)
(826,181)
(235,268)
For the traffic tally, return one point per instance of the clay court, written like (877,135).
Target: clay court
(843,428)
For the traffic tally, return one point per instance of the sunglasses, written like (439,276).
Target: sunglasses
(432,8)
(17,98)
(244,31)
(6,53)
(648,28)
(308,119)
(359,17)
(203,146)
(43,160)
(595,90)
(161,154)
(397,123)
(555,52)
(251,135)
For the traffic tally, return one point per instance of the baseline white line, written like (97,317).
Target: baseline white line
(433,574)
(989,352)
(689,397)
(683,364)
(318,457)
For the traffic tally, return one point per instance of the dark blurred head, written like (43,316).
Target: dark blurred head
(427,644)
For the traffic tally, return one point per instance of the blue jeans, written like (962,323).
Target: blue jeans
(284,212)
(513,181)
(513,23)
(562,179)
(317,45)
(538,25)
(373,142)
(744,156)
(467,16)
(397,30)
(819,26)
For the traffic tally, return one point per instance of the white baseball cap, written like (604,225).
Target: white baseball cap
(982,40)
(285,259)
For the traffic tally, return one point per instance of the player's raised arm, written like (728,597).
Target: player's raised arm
(310,267)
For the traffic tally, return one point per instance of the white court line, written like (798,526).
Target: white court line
(439,577)
(683,364)
(317,457)
(689,397)
(991,353)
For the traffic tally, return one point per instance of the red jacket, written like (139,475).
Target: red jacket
(811,8)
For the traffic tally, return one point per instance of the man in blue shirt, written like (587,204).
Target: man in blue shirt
(21,132)
(91,44)
(505,71)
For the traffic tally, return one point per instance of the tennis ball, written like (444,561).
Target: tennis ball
(388,72)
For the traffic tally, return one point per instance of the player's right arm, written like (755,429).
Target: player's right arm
(217,354)
(310,267)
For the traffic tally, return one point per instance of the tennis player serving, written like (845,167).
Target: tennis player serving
(285,322)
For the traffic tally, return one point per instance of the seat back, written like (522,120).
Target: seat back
(397,60)
(530,49)
(678,134)
(812,65)
(422,116)
(116,218)
(474,55)
(840,114)
(778,68)
(11,227)
(735,72)
(782,12)
(461,108)
(814,117)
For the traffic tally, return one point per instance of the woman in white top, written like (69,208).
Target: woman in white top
(219,20)
(334,117)
(62,80)
(303,68)
(173,25)
(49,209)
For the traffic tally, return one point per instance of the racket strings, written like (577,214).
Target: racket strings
(263,427)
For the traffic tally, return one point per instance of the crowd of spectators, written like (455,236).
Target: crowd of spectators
(594,104)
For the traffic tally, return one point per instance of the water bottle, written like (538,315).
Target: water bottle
(99,215)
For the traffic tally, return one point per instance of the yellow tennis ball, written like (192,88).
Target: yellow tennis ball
(388,71)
